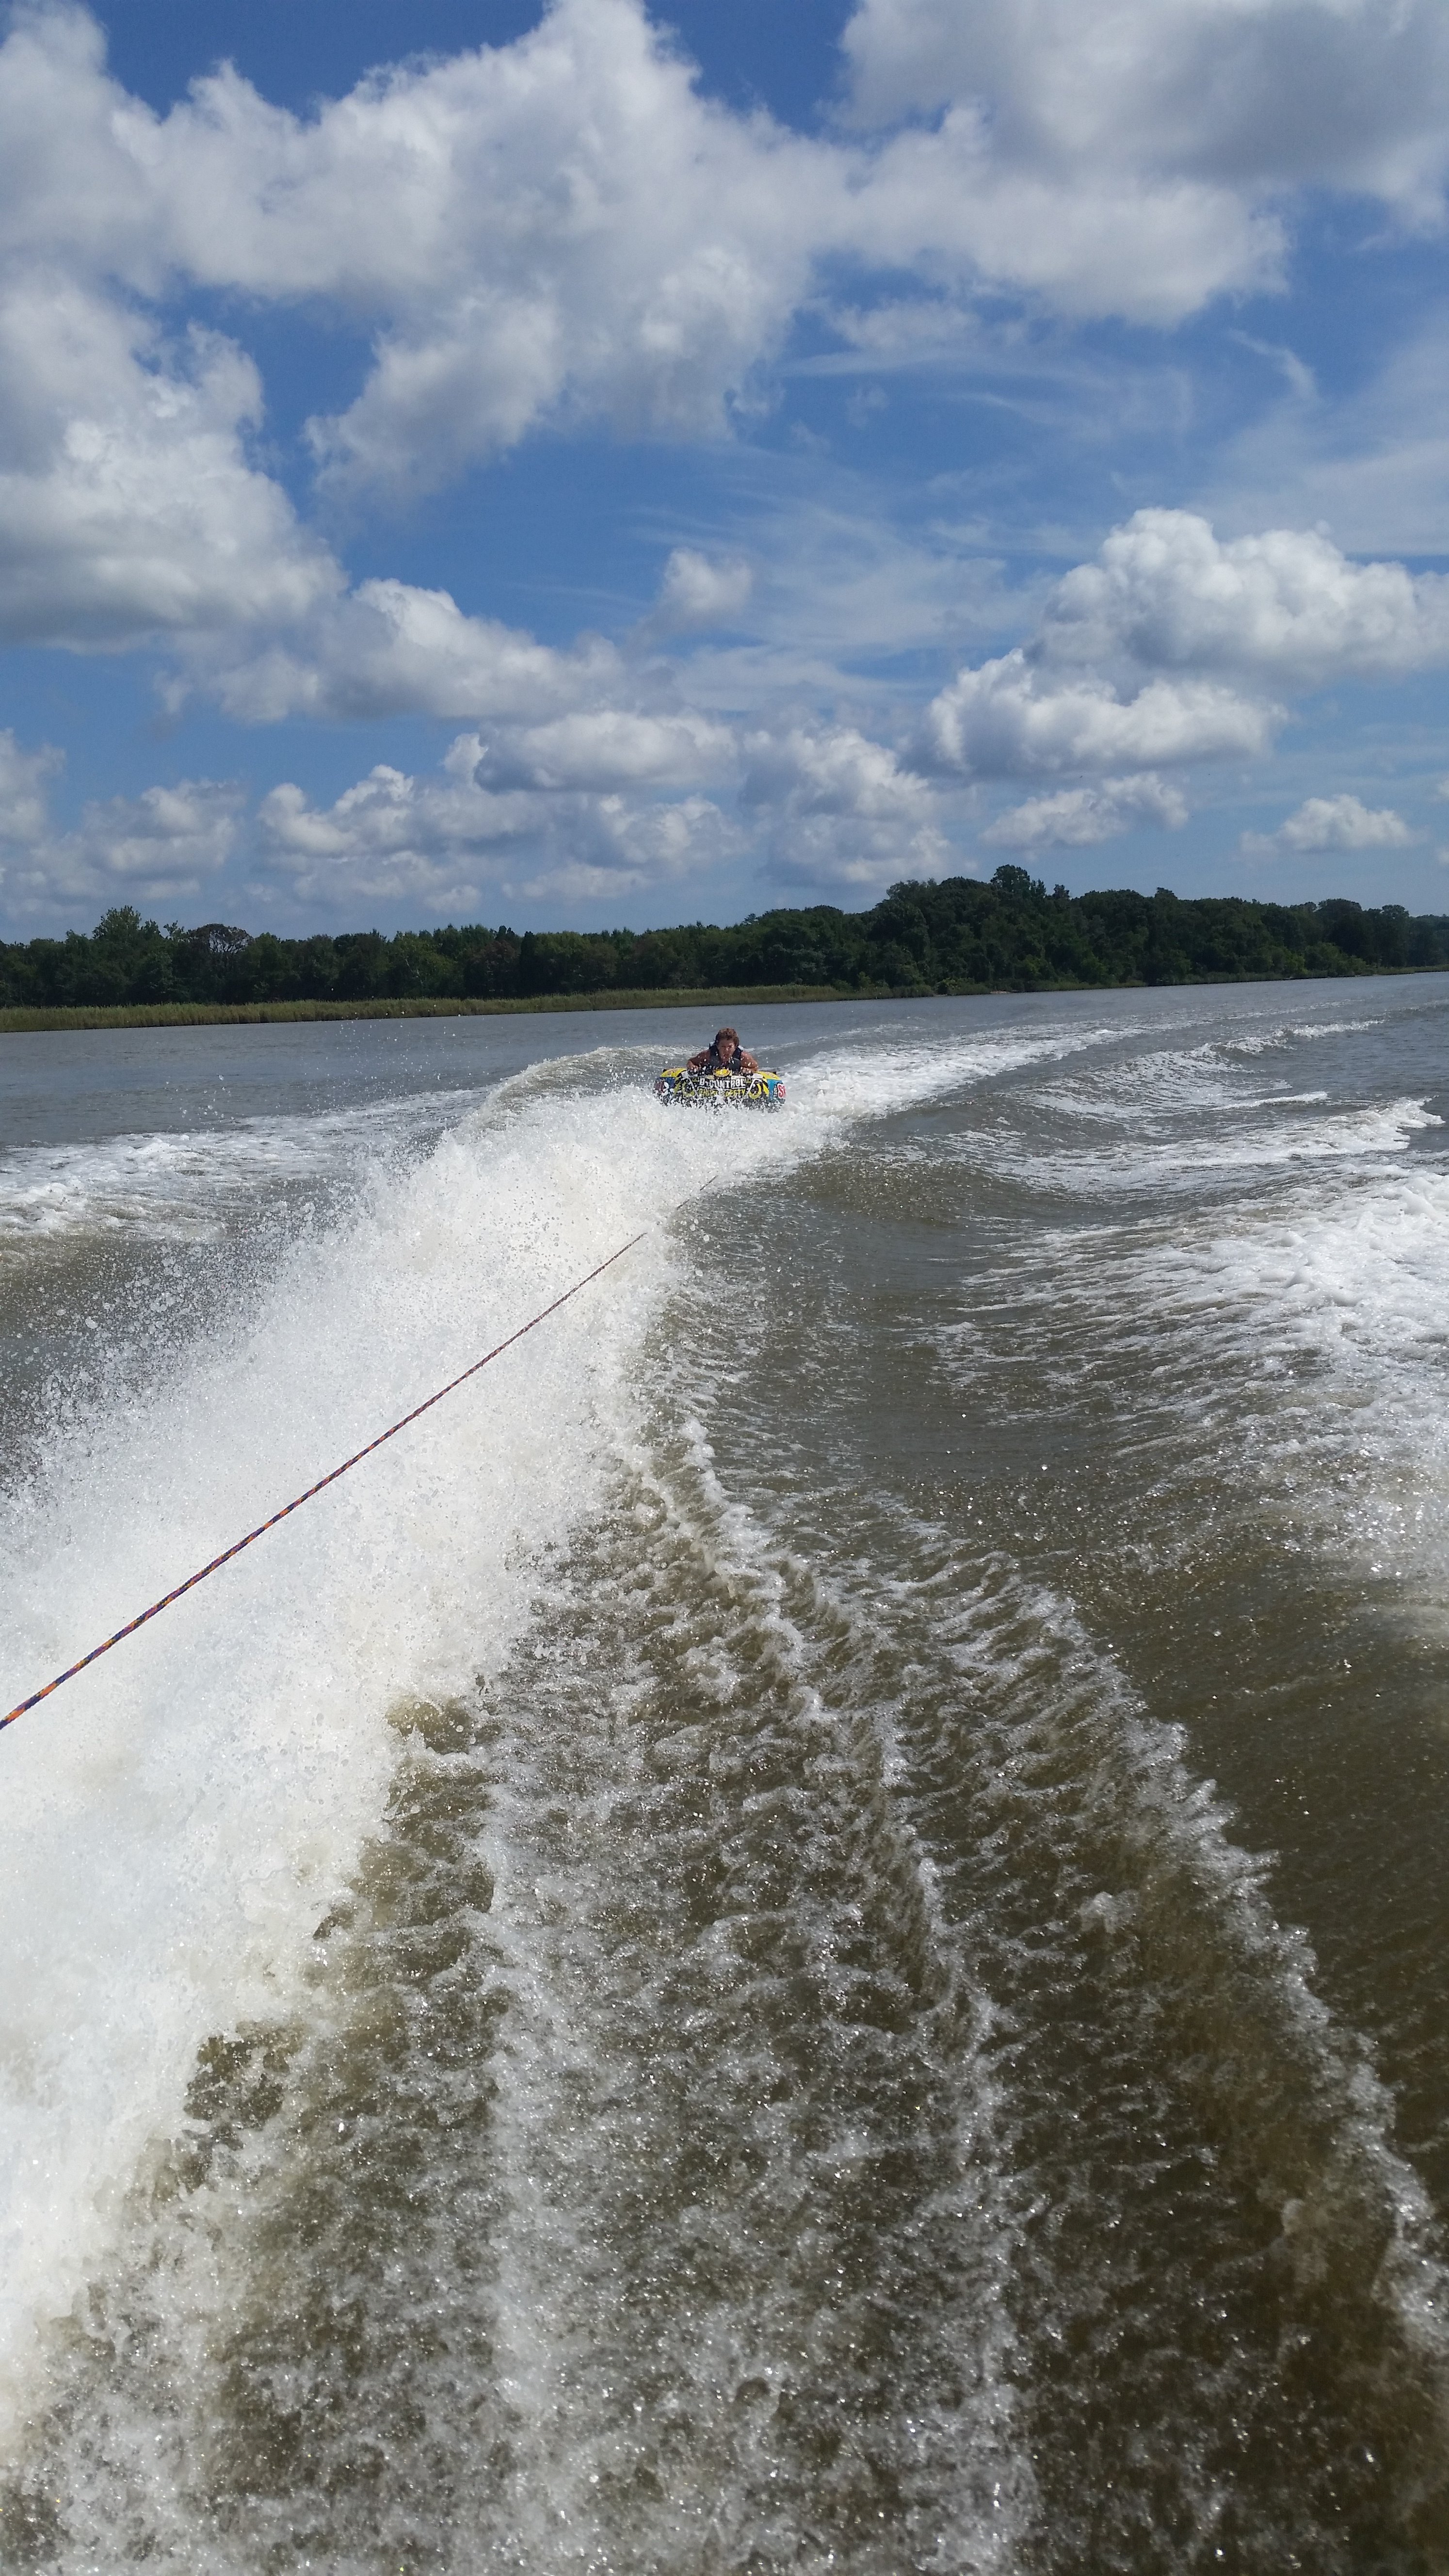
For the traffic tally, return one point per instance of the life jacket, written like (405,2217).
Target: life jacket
(725,1063)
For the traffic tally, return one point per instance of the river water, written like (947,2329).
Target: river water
(808,1929)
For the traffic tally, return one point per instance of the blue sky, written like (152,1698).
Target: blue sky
(464,463)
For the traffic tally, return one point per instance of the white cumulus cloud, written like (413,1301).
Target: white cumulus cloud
(1235,100)
(1285,607)
(1011,719)
(128,506)
(571,808)
(163,844)
(1162,648)
(855,854)
(701,591)
(1140,156)
(447,838)
(25,778)
(564,227)
(606,747)
(167,841)
(552,230)
(1096,237)
(1077,817)
(390,648)
(832,770)
(1331,823)
(558,226)
(840,809)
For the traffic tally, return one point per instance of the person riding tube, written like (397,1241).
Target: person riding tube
(724,1054)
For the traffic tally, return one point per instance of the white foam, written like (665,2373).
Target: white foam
(876,1080)
(1293,1030)
(177,1819)
(1338,1135)
(1167,1115)
(1360,1278)
(185,1186)
(569,2121)
(1311,1314)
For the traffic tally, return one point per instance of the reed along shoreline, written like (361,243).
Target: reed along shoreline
(22,1021)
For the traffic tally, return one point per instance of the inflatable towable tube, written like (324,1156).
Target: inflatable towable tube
(720,1090)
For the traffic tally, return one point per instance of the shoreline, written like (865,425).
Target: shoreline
(20,1020)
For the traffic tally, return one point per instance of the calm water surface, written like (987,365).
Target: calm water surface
(806,1932)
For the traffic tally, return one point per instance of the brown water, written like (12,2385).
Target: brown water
(813,1938)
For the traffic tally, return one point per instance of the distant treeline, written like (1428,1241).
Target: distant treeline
(956,936)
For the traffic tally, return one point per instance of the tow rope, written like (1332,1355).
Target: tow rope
(322,1483)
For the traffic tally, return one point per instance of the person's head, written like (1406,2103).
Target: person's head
(727,1037)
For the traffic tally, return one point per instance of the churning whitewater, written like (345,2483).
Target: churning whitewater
(806,1929)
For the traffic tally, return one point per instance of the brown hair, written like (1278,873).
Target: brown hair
(726,1033)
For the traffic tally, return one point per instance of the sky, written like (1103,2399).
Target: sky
(587,467)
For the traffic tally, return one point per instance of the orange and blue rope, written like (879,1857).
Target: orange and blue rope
(321,1485)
